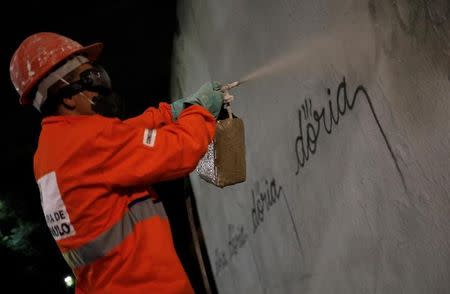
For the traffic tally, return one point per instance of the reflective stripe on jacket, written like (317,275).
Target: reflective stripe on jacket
(94,172)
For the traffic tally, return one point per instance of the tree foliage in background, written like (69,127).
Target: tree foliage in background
(30,258)
(15,233)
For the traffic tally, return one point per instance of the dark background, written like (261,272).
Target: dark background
(138,45)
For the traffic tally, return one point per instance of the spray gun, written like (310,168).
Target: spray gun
(228,97)
(229,86)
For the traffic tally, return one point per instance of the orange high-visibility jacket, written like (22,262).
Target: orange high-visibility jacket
(93,174)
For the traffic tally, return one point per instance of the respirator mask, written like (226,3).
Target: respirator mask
(106,102)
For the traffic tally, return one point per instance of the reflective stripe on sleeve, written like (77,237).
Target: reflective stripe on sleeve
(92,251)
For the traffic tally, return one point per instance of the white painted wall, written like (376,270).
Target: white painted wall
(368,210)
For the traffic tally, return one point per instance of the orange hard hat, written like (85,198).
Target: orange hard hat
(38,55)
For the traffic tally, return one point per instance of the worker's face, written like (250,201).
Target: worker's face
(80,103)
(83,102)
(97,96)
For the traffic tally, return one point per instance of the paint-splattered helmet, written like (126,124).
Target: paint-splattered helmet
(41,53)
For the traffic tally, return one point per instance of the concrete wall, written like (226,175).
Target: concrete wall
(347,118)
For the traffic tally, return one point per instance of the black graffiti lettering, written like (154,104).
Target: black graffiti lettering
(255,218)
(272,196)
(273,190)
(266,196)
(260,207)
(321,116)
(334,119)
(237,238)
(336,108)
(342,109)
(300,160)
(220,260)
(231,244)
(311,138)
(273,193)
(264,201)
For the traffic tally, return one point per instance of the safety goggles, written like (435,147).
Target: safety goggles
(93,79)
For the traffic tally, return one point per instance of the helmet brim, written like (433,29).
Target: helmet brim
(92,51)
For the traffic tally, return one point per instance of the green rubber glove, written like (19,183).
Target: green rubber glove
(177,107)
(208,96)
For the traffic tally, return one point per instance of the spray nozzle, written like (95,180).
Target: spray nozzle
(229,86)
(228,98)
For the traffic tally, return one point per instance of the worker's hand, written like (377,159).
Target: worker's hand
(177,107)
(208,96)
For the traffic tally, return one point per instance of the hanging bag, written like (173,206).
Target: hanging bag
(224,162)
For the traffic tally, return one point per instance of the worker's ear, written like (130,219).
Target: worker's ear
(69,103)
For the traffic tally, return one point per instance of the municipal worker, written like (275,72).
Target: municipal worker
(94,170)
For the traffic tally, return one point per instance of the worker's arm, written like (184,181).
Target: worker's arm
(133,156)
(152,117)
(209,96)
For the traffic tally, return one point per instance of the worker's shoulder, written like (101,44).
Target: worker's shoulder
(87,126)
(65,137)
(92,122)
